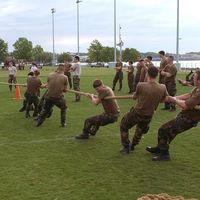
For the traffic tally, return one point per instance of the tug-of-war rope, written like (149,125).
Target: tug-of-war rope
(73,91)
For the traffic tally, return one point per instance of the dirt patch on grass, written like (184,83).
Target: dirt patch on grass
(162,197)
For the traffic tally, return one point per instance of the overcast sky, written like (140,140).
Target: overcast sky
(147,25)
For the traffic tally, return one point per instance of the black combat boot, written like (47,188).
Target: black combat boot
(125,150)
(172,108)
(82,136)
(39,121)
(63,125)
(132,147)
(153,150)
(163,156)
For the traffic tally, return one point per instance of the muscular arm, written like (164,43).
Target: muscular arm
(181,103)
(117,68)
(183,97)
(65,89)
(170,99)
(167,74)
(95,99)
(43,86)
(121,97)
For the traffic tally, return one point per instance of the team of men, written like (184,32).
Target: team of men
(143,87)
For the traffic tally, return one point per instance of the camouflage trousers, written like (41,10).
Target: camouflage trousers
(161,79)
(24,101)
(129,120)
(92,124)
(135,83)
(11,79)
(76,86)
(130,82)
(171,89)
(31,99)
(168,131)
(49,102)
(68,74)
(118,77)
(41,102)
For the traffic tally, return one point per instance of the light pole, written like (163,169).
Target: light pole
(77,2)
(177,37)
(115,48)
(53,10)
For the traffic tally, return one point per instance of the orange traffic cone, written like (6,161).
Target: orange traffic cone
(17,93)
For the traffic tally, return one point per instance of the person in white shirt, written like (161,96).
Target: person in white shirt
(12,70)
(34,67)
(76,68)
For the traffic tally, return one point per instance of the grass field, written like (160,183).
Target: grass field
(47,163)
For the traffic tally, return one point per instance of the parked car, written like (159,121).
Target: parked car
(1,65)
(98,64)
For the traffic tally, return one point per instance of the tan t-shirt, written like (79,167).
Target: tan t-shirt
(150,64)
(119,65)
(110,105)
(33,85)
(173,71)
(131,69)
(143,75)
(56,84)
(193,104)
(149,95)
(163,63)
(137,76)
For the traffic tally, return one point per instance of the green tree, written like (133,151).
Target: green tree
(107,54)
(3,50)
(23,49)
(95,51)
(37,53)
(130,54)
(47,57)
(64,57)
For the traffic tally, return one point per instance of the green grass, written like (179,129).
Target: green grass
(46,163)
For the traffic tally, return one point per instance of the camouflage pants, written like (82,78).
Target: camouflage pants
(171,89)
(68,74)
(118,77)
(76,86)
(130,82)
(92,124)
(161,79)
(168,131)
(48,105)
(32,99)
(129,120)
(24,101)
(11,79)
(136,81)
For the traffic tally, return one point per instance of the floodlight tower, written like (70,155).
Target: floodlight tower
(53,10)
(177,37)
(115,44)
(77,2)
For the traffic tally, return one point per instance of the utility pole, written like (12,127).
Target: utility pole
(121,43)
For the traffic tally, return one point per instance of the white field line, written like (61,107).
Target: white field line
(66,139)
(37,141)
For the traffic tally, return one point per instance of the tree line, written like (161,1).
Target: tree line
(24,50)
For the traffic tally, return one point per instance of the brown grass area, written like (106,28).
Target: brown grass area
(162,197)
